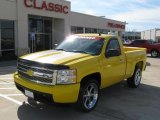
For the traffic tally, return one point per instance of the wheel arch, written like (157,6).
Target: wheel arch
(139,64)
(96,76)
(154,49)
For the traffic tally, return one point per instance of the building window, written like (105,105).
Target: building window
(7,39)
(40,33)
(88,30)
(76,30)
(91,30)
(103,31)
(73,30)
(79,29)
(94,30)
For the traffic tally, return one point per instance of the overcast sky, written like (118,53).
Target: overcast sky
(139,14)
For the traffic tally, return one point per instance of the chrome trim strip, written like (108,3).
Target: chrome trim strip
(43,75)
(22,71)
(36,67)
(40,76)
(22,68)
(38,82)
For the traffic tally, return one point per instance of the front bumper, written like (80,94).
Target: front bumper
(57,93)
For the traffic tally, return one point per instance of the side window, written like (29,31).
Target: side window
(113,48)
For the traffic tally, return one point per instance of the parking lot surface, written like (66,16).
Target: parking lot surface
(116,103)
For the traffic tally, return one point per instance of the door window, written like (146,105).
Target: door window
(113,46)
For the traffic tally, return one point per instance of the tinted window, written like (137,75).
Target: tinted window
(113,45)
(7,39)
(136,42)
(7,24)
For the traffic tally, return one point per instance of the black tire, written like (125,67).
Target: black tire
(31,101)
(154,53)
(135,80)
(85,97)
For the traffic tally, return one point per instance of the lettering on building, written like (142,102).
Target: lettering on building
(114,25)
(48,6)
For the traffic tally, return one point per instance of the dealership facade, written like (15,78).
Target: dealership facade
(35,25)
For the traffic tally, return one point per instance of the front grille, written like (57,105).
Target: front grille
(41,73)
(35,79)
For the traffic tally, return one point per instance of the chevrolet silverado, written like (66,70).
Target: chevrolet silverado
(78,68)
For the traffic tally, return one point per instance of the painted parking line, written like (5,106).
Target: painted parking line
(6,76)
(10,95)
(11,99)
(7,88)
(6,83)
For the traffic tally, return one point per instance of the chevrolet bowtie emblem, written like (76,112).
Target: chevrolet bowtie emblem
(30,72)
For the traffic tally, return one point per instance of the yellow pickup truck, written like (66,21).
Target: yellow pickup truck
(78,68)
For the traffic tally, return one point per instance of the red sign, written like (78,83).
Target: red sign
(114,25)
(47,6)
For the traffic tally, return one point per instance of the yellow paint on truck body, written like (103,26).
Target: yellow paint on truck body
(111,70)
(60,93)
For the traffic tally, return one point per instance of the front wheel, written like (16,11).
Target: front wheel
(88,96)
(135,80)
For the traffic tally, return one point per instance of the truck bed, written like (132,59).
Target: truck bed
(134,55)
(132,49)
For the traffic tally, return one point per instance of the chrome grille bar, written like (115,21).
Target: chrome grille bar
(40,75)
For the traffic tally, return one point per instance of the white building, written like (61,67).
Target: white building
(130,35)
(34,25)
(153,34)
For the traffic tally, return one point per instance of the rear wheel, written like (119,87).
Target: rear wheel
(154,53)
(135,80)
(88,96)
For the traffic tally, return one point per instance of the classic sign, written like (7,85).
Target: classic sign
(50,6)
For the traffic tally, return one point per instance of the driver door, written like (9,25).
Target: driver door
(113,66)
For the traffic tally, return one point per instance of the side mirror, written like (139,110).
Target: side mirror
(112,53)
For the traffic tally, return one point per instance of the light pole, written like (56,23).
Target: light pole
(134,31)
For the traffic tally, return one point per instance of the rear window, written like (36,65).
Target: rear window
(139,42)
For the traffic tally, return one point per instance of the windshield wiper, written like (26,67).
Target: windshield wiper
(79,51)
(61,49)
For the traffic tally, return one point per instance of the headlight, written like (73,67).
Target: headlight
(66,76)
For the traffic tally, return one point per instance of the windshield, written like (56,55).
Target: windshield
(87,45)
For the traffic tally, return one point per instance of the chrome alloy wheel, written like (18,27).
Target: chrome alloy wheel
(90,96)
(138,76)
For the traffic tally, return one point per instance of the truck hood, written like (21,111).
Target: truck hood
(56,57)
